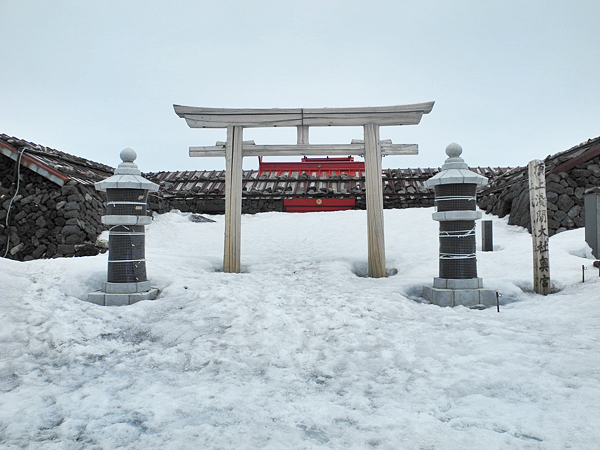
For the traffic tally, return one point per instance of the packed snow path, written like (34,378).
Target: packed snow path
(299,351)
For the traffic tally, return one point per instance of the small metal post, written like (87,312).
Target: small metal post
(487,238)
(583,269)
(591,200)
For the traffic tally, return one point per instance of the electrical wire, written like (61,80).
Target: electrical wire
(12,200)
(458,233)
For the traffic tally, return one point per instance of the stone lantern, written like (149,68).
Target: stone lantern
(127,214)
(455,190)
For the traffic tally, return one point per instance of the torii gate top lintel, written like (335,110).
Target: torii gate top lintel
(199,117)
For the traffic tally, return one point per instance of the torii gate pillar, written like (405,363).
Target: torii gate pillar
(233,201)
(374,192)
(235,120)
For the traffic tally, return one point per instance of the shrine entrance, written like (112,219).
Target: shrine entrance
(235,120)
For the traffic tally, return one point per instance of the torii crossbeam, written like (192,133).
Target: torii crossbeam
(235,120)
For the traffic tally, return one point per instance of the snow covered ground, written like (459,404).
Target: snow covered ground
(299,352)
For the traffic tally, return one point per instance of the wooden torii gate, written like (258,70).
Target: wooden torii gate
(235,120)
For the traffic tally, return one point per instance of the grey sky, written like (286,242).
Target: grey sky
(512,80)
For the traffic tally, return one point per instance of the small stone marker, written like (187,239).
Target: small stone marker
(539,226)
(487,236)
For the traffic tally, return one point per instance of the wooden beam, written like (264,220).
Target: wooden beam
(303,134)
(233,200)
(539,227)
(32,162)
(306,149)
(197,117)
(374,193)
(588,154)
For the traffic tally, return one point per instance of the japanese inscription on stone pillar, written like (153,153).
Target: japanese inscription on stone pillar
(539,227)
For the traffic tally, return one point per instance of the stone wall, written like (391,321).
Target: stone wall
(509,195)
(397,202)
(160,204)
(47,220)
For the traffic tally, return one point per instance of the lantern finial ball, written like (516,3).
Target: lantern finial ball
(128,155)
(454,150)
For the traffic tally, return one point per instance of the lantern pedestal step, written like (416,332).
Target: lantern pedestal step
(454,297)
(111,299)
(126,288)
(452,283)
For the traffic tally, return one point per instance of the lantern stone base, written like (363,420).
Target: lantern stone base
(121,299)
(467,292)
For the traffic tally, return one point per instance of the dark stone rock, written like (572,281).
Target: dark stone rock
(552,178)
(69,189)
(20,215)
(75,198)
(564,202)
(552,196)
(71,214)
(571,182)
(594,169)
(574,211)
(39,251)
(568,222)
(525,221)
(40,222)
(555,187)
(14,239)
(553,224)
(74,239)
(519,208)
(72,206)
(501,208)
(51,250)
(197,218)
(67,250)
(70,229)
(560,215)
(86,250)
(580,173)
(27,200)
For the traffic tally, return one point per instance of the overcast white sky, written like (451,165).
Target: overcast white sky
(513,80)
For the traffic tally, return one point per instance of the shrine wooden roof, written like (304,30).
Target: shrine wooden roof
(396,182)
